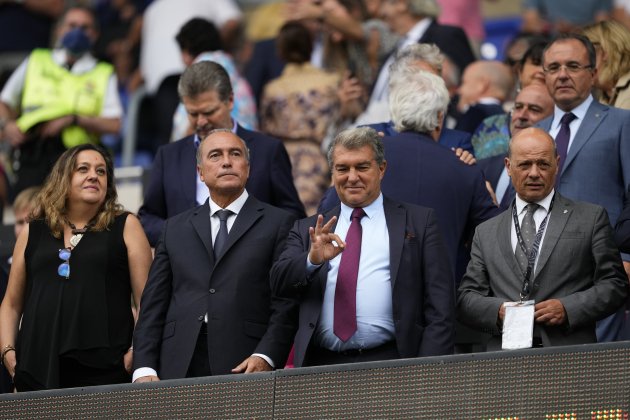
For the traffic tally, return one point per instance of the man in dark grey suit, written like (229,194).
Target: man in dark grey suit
(595,156)
(576,273)
(207,308)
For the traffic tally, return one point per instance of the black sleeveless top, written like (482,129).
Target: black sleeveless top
(87,316)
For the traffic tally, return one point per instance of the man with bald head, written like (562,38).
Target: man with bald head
(485,86)
(546,248)
(532,104)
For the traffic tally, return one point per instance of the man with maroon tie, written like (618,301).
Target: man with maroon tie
(372,275)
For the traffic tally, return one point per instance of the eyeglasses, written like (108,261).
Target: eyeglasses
(572,68)
(64,268)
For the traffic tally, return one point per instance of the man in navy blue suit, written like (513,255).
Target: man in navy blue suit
(174,187)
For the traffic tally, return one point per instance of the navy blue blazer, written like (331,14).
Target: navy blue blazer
(422,290)
(172,188)
(448,137)
(420,171)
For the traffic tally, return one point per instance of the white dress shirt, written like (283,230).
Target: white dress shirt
(579,112)
(539,216)
(375,321)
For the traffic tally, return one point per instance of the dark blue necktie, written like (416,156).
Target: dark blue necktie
(562,139)
(222,234)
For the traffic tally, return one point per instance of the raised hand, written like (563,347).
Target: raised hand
(325,244)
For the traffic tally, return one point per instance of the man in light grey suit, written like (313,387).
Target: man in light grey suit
(597,164)
(577,276)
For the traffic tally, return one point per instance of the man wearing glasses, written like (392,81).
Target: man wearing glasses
(593,140)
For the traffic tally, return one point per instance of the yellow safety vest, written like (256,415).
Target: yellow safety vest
(50,91)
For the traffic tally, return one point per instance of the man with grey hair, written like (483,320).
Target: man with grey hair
(174,187)
(208,308)
(410,59)
(415,21)
(367,270)
(425,173)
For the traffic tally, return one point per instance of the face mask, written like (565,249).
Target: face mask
(76,42)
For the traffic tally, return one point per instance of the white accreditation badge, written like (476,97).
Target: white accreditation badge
(518,325)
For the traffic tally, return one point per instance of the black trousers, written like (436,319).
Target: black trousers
(73,374)
(317,356)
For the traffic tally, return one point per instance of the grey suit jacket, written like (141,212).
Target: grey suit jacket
(597,168)
(579,264)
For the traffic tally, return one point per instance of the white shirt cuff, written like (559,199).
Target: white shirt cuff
(141,372)
(266,359)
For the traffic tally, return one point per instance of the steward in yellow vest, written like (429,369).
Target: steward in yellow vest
(57,99)
(51,91)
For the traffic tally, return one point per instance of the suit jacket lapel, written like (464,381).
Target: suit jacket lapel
(201,223)
(249,214)
(558,218)
(188,173)
(395,218)
(504,239)
(595,115)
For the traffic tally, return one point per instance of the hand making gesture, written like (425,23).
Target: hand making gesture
(325,244)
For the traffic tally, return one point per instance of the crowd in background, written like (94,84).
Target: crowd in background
(300,72)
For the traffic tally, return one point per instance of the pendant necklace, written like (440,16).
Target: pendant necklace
(77,234)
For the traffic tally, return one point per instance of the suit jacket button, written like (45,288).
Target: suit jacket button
(212,291)
(200,318)
(311,325)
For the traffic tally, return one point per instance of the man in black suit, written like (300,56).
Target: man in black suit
(207,308)
(206,92)
(372,275)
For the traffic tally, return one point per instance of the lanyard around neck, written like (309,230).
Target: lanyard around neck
(533,253)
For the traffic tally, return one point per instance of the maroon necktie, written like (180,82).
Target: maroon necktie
(345,322)
(562,139)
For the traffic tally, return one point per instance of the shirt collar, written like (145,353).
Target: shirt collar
(370,210)
(544,203)
(235,206)
(579,111)
(197,140)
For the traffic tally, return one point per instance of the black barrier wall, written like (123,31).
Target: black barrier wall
(577,382)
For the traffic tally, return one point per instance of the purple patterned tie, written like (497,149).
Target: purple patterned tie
(345,322)
(562,140)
